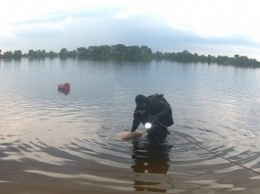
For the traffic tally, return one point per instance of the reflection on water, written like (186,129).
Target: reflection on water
(150,158)
(53,142)
(66,92)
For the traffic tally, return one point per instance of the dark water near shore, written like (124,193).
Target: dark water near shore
(52,143)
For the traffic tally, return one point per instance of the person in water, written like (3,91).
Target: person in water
(156,110)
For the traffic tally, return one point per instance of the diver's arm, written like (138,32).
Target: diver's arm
(135,125)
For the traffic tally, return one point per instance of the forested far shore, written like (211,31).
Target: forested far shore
(122,52)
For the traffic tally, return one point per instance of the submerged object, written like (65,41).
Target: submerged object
(125,135)
(64,88)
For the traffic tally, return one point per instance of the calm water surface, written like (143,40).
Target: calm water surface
(52,143)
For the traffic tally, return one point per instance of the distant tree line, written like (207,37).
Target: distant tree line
(31,54)
(122,52)
(187,57)
(104,52)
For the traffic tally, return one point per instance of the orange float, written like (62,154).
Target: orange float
(64,88)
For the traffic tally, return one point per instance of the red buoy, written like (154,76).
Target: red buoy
(65,86)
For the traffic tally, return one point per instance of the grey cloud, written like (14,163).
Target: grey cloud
(74,15)
(101,28)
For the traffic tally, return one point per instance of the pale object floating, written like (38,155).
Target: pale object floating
(125,135)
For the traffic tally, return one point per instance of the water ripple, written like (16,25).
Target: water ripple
(66,144)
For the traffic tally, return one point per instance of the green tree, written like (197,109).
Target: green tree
(8,54)
(72,53)
(133,53)
(158,55)
(119,50)
(43,53)
(31,53)
(82,52)
(145,52)
(52,54)
(106,50)
(63,53)
(17,54)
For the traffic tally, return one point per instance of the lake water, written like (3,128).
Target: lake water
(52,143)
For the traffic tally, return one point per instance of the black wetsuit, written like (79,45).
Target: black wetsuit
(158,112)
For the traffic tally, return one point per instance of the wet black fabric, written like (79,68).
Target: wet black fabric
(158,112)
(157,133)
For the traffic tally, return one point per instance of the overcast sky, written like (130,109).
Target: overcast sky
(217,27)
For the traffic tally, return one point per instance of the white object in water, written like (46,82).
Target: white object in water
(125,135)
(148,125)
